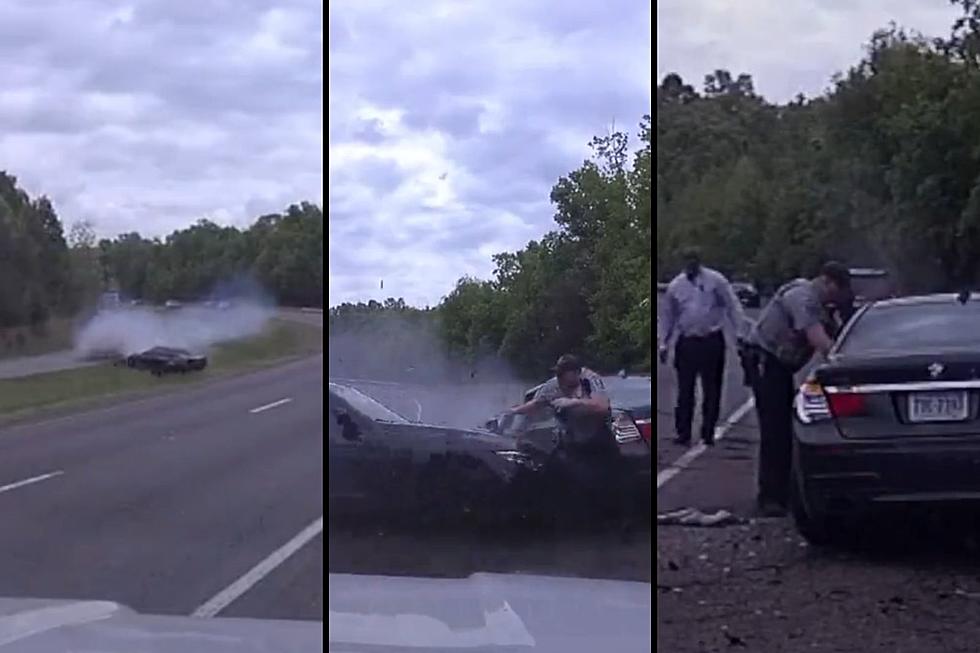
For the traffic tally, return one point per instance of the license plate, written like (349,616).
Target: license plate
(938,406)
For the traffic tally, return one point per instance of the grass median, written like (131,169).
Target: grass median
(281,340)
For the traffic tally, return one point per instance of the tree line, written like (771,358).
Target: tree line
(46,272)
(881,170)
(584,287)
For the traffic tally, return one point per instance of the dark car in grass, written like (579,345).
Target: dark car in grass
(892,420)
(167,360)
(383,465)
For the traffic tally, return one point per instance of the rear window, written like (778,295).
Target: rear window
(910,328)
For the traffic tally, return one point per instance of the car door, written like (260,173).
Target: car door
(354,456)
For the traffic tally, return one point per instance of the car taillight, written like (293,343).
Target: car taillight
(845,404)
(811,403)
(624,429)
(814,405)
(645,429)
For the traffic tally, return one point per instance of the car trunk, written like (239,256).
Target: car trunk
(921,396)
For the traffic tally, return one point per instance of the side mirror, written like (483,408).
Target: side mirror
(492,425)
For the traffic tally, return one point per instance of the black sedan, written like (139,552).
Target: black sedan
(166,360)
(892,420)
(381,464)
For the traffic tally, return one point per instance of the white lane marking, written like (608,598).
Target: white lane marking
(225,597)
(28,481)
(272,405)
(692,454)
(418,413)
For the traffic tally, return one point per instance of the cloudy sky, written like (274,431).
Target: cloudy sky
(788,46)
(450,121)
(149,114)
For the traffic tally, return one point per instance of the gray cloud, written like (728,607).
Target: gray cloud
(482,105)
(788,48)
(151,115)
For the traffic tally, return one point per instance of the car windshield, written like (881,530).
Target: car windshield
(910,326)
(366,405)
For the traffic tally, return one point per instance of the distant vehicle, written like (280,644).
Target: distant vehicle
(892,420)
(223,305)
(381,463)
(172,303)
(662,287)
(747,294)
(871,284)
(166,360)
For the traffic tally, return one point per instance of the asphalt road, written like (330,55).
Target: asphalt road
(755,586)
(457,553)
(163,504)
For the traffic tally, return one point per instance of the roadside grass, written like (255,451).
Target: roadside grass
(282,340)
(54,335)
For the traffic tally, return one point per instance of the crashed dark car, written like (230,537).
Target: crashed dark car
(382,464)
(891,423)
(166,360)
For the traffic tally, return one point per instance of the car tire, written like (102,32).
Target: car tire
(817,527)
(813,526)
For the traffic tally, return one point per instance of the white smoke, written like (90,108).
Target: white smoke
(126,331)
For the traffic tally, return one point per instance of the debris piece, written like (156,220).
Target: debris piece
(694,517)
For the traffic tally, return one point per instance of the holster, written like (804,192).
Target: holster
(751,359)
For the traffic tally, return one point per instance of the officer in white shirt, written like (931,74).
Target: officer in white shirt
(699,305)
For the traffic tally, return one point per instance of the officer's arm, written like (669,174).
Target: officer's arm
(738,323)
(529,406)
(818,338)
(807,316)
(542,397)
(668,316)
(598,400)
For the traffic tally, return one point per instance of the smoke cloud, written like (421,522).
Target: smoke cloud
(130,330)
(404,364)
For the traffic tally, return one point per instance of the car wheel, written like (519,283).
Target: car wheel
(817,527)
(812,526)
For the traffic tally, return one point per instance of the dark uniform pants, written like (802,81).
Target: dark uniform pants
(774,390)
(704,358)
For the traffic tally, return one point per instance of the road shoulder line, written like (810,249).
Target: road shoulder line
(692,454)
(227,596)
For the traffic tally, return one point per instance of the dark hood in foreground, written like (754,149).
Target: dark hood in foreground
(43,626)
(488,613)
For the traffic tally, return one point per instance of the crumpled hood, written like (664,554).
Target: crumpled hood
(488,613)
(43,626)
